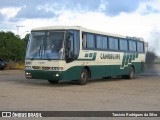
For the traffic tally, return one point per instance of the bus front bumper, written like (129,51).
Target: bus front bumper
(46,75)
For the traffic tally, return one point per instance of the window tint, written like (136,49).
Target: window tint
(113,43)
(140,47)
(104,42)
(90,41)
(99,41)
(123,44)
(73,40)
(76,42)
(132,45)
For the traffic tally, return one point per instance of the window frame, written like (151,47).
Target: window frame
(130,40)
(123,39)
(116,38)
(101,46)
(102,39)
(87,33)
(94,41)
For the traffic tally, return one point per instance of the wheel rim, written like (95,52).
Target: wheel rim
(84,76)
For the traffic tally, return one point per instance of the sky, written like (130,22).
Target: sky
(138,18)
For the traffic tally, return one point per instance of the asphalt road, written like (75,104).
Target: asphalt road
(139,94)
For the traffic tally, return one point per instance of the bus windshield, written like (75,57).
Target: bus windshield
(46,45)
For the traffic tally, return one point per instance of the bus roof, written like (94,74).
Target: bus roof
(85,30)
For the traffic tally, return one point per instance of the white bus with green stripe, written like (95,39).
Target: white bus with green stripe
(62,53)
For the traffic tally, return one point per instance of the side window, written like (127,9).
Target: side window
(90,41)
(132,45)
(76,42)
(71,41)
(113,43)
(140,47)
(99,41)
(104,46)
(123,44)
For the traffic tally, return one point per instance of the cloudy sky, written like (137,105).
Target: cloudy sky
(126,17)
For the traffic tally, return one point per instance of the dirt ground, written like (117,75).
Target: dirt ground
(139,94)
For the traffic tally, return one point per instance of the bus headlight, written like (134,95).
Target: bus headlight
(28,67)
(57,68)
(57,75)
(27,73)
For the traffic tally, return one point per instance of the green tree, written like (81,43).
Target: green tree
(12,47)
(26,39)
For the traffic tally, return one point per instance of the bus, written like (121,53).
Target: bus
(62,53)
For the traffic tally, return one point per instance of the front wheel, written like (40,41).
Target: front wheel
(84,77)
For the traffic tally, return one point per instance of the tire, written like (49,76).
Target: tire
(84,77)
(131,73)
(53,81)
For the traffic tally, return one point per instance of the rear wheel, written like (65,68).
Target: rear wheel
(131,73)
(84,77)
(53,81)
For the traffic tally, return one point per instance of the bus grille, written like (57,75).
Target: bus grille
(36,67)
(46,68)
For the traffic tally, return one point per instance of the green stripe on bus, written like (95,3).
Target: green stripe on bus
(130,58)
(123,61)
(127,59)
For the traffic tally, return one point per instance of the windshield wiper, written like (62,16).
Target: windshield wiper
(33,57)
